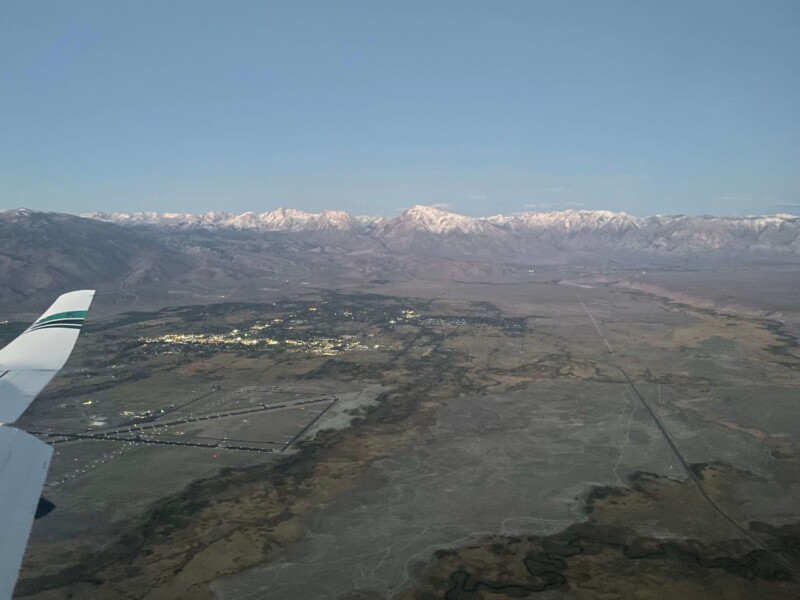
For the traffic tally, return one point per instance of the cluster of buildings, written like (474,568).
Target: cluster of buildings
(253,337)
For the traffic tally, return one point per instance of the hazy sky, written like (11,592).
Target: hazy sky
(498,106)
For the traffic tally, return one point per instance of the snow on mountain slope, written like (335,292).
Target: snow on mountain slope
(281,219)
(567,220)
(422,228)
(434,220)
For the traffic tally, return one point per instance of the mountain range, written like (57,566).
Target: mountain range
(163,255)
(544,231)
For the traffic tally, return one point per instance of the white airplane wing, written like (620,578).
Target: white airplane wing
(23,467)
(26,366)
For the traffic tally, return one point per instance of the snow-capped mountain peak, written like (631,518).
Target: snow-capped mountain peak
(436,220)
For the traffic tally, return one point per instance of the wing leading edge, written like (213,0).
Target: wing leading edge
(27,365)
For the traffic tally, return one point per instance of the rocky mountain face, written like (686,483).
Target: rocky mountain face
(46,252)
(422,229)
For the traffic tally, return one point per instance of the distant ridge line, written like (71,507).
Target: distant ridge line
(427,229)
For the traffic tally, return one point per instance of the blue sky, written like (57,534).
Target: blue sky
(373,106)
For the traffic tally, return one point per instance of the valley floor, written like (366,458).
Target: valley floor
(568,434)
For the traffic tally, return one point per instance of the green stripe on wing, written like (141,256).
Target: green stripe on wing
(72,314)
(63,320)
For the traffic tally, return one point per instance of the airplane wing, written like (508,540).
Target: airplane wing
(29,362)
(26,366)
